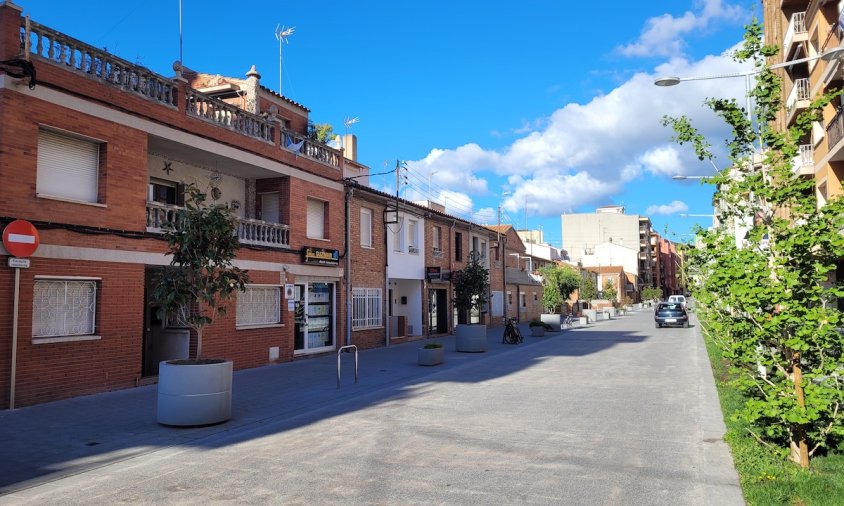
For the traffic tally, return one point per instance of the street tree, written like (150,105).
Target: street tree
(770,300)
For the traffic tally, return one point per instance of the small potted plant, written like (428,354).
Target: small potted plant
(431,354)
(537,328)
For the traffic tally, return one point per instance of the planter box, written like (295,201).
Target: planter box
(552,319)
(431,356)
(583,320)
(537,331)
(194,394)
(611,312)
(470,338)
(592,314)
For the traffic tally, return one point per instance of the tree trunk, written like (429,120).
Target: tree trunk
(799,445)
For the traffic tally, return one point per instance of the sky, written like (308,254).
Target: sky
(510,111)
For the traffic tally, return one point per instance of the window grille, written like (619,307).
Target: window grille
(63,308)
(259,305)
(366,308)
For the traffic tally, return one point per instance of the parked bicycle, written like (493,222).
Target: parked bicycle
(512,335)
(569,321)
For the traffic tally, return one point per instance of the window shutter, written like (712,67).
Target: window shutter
(67,167)
(180,194)
(269,207)
(366,227)
(316,224)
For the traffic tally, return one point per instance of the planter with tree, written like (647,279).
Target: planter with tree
(588,291)
(470,294)
(558,283)
(201,278)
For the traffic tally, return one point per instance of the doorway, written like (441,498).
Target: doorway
(313,317)
(438,311)
(163,339)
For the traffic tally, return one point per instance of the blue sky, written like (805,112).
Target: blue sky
(540,107)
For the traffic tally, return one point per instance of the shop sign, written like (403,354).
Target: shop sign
(433,273)
(320,256)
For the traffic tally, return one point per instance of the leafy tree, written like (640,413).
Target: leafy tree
(769,301)
(588,290)
(558,283)
(320,132)
(651,293)
(201,276)
(610,293)
(470,288)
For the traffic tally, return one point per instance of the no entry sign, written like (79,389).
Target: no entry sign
(20,238)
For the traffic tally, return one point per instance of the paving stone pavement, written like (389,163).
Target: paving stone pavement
(616,412)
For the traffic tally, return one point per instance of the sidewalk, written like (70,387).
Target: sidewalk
(49,441)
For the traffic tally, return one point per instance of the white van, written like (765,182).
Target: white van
(678,298)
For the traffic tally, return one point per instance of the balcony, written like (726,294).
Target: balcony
(222,113)
(438,254)
(834,134)
(798,98)
(300,144)
(804,163)
(249,231)
(795,34)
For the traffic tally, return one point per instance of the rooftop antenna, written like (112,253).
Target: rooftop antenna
(180,31)
(282,34)
(348,122)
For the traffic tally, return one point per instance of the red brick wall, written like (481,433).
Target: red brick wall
(369,264)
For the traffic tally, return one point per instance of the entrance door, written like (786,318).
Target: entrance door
(314,317)
(161,341)
(438,311)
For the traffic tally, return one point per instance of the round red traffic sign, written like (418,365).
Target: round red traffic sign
(20,238)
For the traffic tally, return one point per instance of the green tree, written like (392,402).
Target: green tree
(651,293)
(470,288)
(559,281)
(610,293)
(320,132)
(201,275)
(588,290)
(769,301)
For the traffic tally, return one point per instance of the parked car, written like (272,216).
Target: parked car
(678,298)
(671,313)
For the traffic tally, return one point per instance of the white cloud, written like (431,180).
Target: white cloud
(674,207)
(584,153)
(662,35)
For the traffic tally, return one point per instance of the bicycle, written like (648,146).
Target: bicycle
(569,321)
(512,335)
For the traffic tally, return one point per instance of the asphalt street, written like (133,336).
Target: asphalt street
(614,413)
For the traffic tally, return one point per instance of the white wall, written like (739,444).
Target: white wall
(403,264)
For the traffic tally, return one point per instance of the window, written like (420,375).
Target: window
(366,308)
(435,238)
(259,305)
(316,219)
(68,167)
(522,301)
(398,238)
(269,207)
(412,237)
(165,192)
(366,227)
(458,246)
(63,307)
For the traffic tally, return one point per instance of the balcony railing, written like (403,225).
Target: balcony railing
(96,64)
(804,162)
(796,25)
(438,253)
(302,145)
(798,96)
(249,231)
(228,115)
(835,129)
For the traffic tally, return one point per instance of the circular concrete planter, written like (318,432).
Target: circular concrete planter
(431,356)
(192,394)
(470,338)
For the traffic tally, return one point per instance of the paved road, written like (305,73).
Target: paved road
(614,413)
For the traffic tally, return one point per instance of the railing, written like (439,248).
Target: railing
(302,145)
(228,115)
(805,158)
(799,92)
(796,25)
(438,253)
(835,129)
(249,231)
(95,63)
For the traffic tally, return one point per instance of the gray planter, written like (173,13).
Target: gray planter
(552,319)
(470,338)
(592,314)
(194,394)
(583,320)
(431,356)
(537,331)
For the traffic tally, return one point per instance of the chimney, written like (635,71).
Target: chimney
(350,146)
(253,83)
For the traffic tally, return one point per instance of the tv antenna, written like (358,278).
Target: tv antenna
(282,34)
